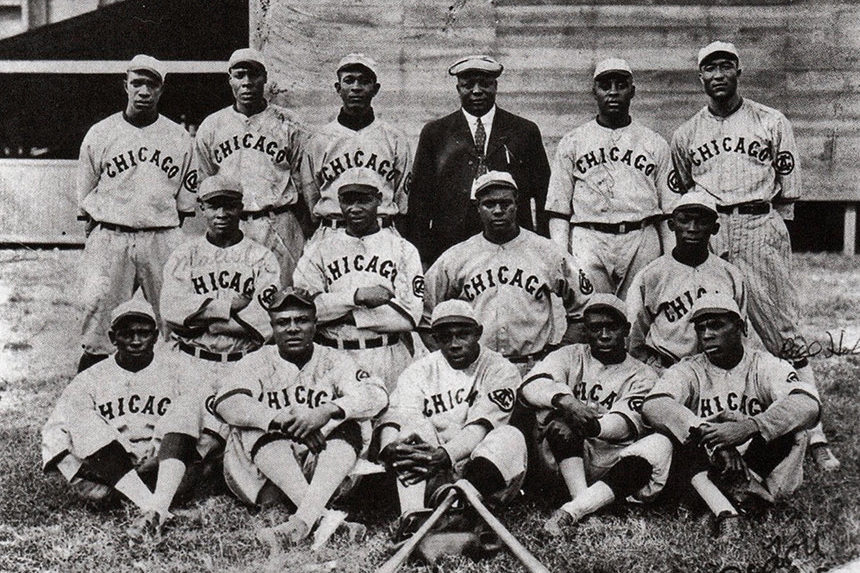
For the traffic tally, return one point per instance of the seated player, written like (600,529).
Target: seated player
(738,414)
(295,414)
(588,396)
(368,285)
(663,293)
(449,416)
(104,433)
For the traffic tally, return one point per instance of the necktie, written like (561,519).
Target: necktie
(480,141)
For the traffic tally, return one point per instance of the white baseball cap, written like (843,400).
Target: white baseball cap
(137,306)
(359,178)
(454,311)
(714,303)
(492,179)
(698,199)
(219,185)
(358,59)
(606,301)
(476,63)
(717,48)
(610,65)
(148,63)
(246,55)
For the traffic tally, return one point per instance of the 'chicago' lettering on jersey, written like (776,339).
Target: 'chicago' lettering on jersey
(754,148)
(223,280)
(134,404)
(600,156)
(441,403)
(710,406)
(279,153)
(345,265)
(358,158)
(594,395)
(493,278)
(131,159)
(678,307)
(298,394)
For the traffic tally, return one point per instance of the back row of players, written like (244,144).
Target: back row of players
(613,200)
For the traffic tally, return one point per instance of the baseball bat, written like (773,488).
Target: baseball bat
(399,558)
(525,557)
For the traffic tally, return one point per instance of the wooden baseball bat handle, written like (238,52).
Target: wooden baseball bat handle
(525,557)
(399,558)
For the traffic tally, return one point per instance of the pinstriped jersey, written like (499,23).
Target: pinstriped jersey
(336,148)
(263,152)
(136,176)
(603,175)
(748,156)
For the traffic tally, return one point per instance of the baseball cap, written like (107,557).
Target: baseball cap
(696,199)
(476,63)
(136,306)
(610,65)
(714,303)
(299,296)
(492,179)
(148,63)
(246,55)
(606,301)
(357,59)
(454,311)
(718,47)
(219,185)
(359,180)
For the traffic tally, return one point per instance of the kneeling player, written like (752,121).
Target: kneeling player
(449,417)
(731,399)
(589,397)
(294,413)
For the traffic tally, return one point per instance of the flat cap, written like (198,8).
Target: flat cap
(136,306)
(219,185)
(359,179)
(696,199)
(606,301)
(298,296)
(714,303)
(358,59)
(718,47)
(246,55)
(476,63)
(492,179)
(454,311)
(148,63)
(612,65)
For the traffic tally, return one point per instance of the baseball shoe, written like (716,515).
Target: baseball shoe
(334,521)
(146,527)
(408,524)
(726,525)
(824,457)
(288,534)
(558,521)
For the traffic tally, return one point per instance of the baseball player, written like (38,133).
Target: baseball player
(135,184)
(663,292)
(449,416)
(744,154)
(295,414)
(369,285)
(737,412)
(106,429)
(357,139)
(609,186)
(588,398)
(508,275)
(259,144)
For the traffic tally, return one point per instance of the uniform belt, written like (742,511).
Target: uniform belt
(375,342)
(384,222)
(213,356)
(251,215)
(616,228)
(539,355)
(127,229)
(745,209)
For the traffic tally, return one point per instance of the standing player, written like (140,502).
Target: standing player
(135,183)
(508,275)
(449,417)
(368,284)
(588,398)
(744,155)
(357,139)
(260,145)
(736,411)
(609,186)
(295,414)
(663,293)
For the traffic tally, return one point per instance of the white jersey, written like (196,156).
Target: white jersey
(263,152)
(107,403)
(139,177)
(338,264)
(201,281)
(483,393)
(603,175)
(509,286)
(662,295)
(748,156)
(336,148)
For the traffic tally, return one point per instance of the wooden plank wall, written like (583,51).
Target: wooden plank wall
(798,56)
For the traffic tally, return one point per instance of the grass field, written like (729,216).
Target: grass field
(42,528)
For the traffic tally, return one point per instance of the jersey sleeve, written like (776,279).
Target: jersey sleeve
(403,164)
(682,164)
(550,377)
(663,176)
(782,389)
(638,316)
(675,383)
(202,155)
(572,285)
(267,280)
(179,304)
(496,394)
(89,168)
(629,402)
(562,180)
(310,187)
(236,403)
(407,399)
(186,198)
(403,312)
(310,275)
(439,287)
(359,394)
(87,430)
(786,161)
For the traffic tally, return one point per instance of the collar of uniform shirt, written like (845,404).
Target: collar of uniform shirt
(486,119)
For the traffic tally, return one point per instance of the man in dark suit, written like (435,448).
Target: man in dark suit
(455,149)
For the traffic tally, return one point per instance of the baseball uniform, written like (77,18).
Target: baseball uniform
(612,185)
(264,153)
(611,390)
(755,388)
(335,266)
(132,181)
(662,295)
(330,376)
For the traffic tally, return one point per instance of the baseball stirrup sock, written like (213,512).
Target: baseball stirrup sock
(132,487)
(573,472)
(279,465)
(716,501)
(593,498)
(170,474)
(333,465)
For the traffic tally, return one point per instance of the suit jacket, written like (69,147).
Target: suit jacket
(440,213)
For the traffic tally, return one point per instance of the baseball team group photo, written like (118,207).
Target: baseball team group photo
(457,325)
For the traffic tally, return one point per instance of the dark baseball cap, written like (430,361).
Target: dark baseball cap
(297,296)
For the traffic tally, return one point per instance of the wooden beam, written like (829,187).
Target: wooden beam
(849,237)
